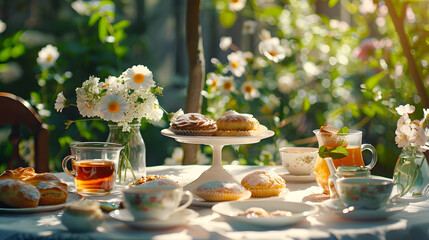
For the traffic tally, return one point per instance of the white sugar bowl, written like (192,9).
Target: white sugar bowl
(82,216)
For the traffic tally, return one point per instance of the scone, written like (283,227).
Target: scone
(194,124)
(232,123)
(254,212)
(263,184)
(216,191)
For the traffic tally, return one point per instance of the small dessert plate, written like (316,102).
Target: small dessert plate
(293,178)
(300,211)
(341,209)
(178,218)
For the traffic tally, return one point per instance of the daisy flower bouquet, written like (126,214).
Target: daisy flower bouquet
(124,101)
(411,171)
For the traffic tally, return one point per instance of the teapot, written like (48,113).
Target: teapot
(343,172)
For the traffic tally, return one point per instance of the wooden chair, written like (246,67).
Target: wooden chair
(17,112)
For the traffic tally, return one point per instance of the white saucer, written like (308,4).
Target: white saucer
(293,178)
(340,208)
(197,201)
(178,218)
(300,211)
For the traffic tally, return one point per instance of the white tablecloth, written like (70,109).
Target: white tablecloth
(411,223)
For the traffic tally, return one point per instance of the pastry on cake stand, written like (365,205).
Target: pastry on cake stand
(216,172)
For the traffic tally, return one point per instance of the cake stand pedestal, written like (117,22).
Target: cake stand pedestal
(216,172)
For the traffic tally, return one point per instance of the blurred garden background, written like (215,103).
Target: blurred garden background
(294,64)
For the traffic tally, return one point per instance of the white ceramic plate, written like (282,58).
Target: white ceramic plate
(293,178)
(72,197)
(202,203)
(177,218)
(300,211)
(362,214)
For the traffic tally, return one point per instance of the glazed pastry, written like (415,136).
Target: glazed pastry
(232,123)
(51,189)
(194,124)
(215,191)
(18,194)
(19,173)
(263,184)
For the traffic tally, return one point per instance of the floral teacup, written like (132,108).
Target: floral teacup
(154,203)
(298,160)
(364,193)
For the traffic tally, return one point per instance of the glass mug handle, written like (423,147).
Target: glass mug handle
(64,164)
(374,158)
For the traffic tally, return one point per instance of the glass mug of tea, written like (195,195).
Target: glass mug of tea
(94,166)
(352,142)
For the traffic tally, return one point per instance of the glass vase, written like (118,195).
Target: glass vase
(411,175)
(132,163)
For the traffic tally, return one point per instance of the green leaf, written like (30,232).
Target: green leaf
(102,30)
(94,18)
(305,105)
(332,3)
(4,54)
(273,11)
(17,50)
(373,81)
(344,130)
(121,25)
(227,18)
(338,153)
(323,152)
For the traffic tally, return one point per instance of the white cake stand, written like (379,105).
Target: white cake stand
(216,172)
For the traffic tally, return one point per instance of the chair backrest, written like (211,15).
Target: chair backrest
(17,112)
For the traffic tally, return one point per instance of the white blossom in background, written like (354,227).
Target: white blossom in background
(48,56)
(3,26)
(178,154)
(264,34)
(250,91)
(286,83)
(227,84)
(272,49)
(249,27)
(367,6)
(60,102)
(213,80)
(248,56)
(113,107)
(139,77)
(81,7)
(405,109)
(236,5)
(87,97)
(237,63)
(33,38)
(225,43)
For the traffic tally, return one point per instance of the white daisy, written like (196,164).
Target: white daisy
(47,56)
(237,63)
(113,84)
(248,56)
(139,77)
(213,80)
(236,5)
(86,108)
(227,84)
(225,43)
(250,91)
(176,158)
(249,27)
(265,34)
(272,49)
(113,107)
(60,102)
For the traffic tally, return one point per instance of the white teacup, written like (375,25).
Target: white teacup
(155,203)
(298,160)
